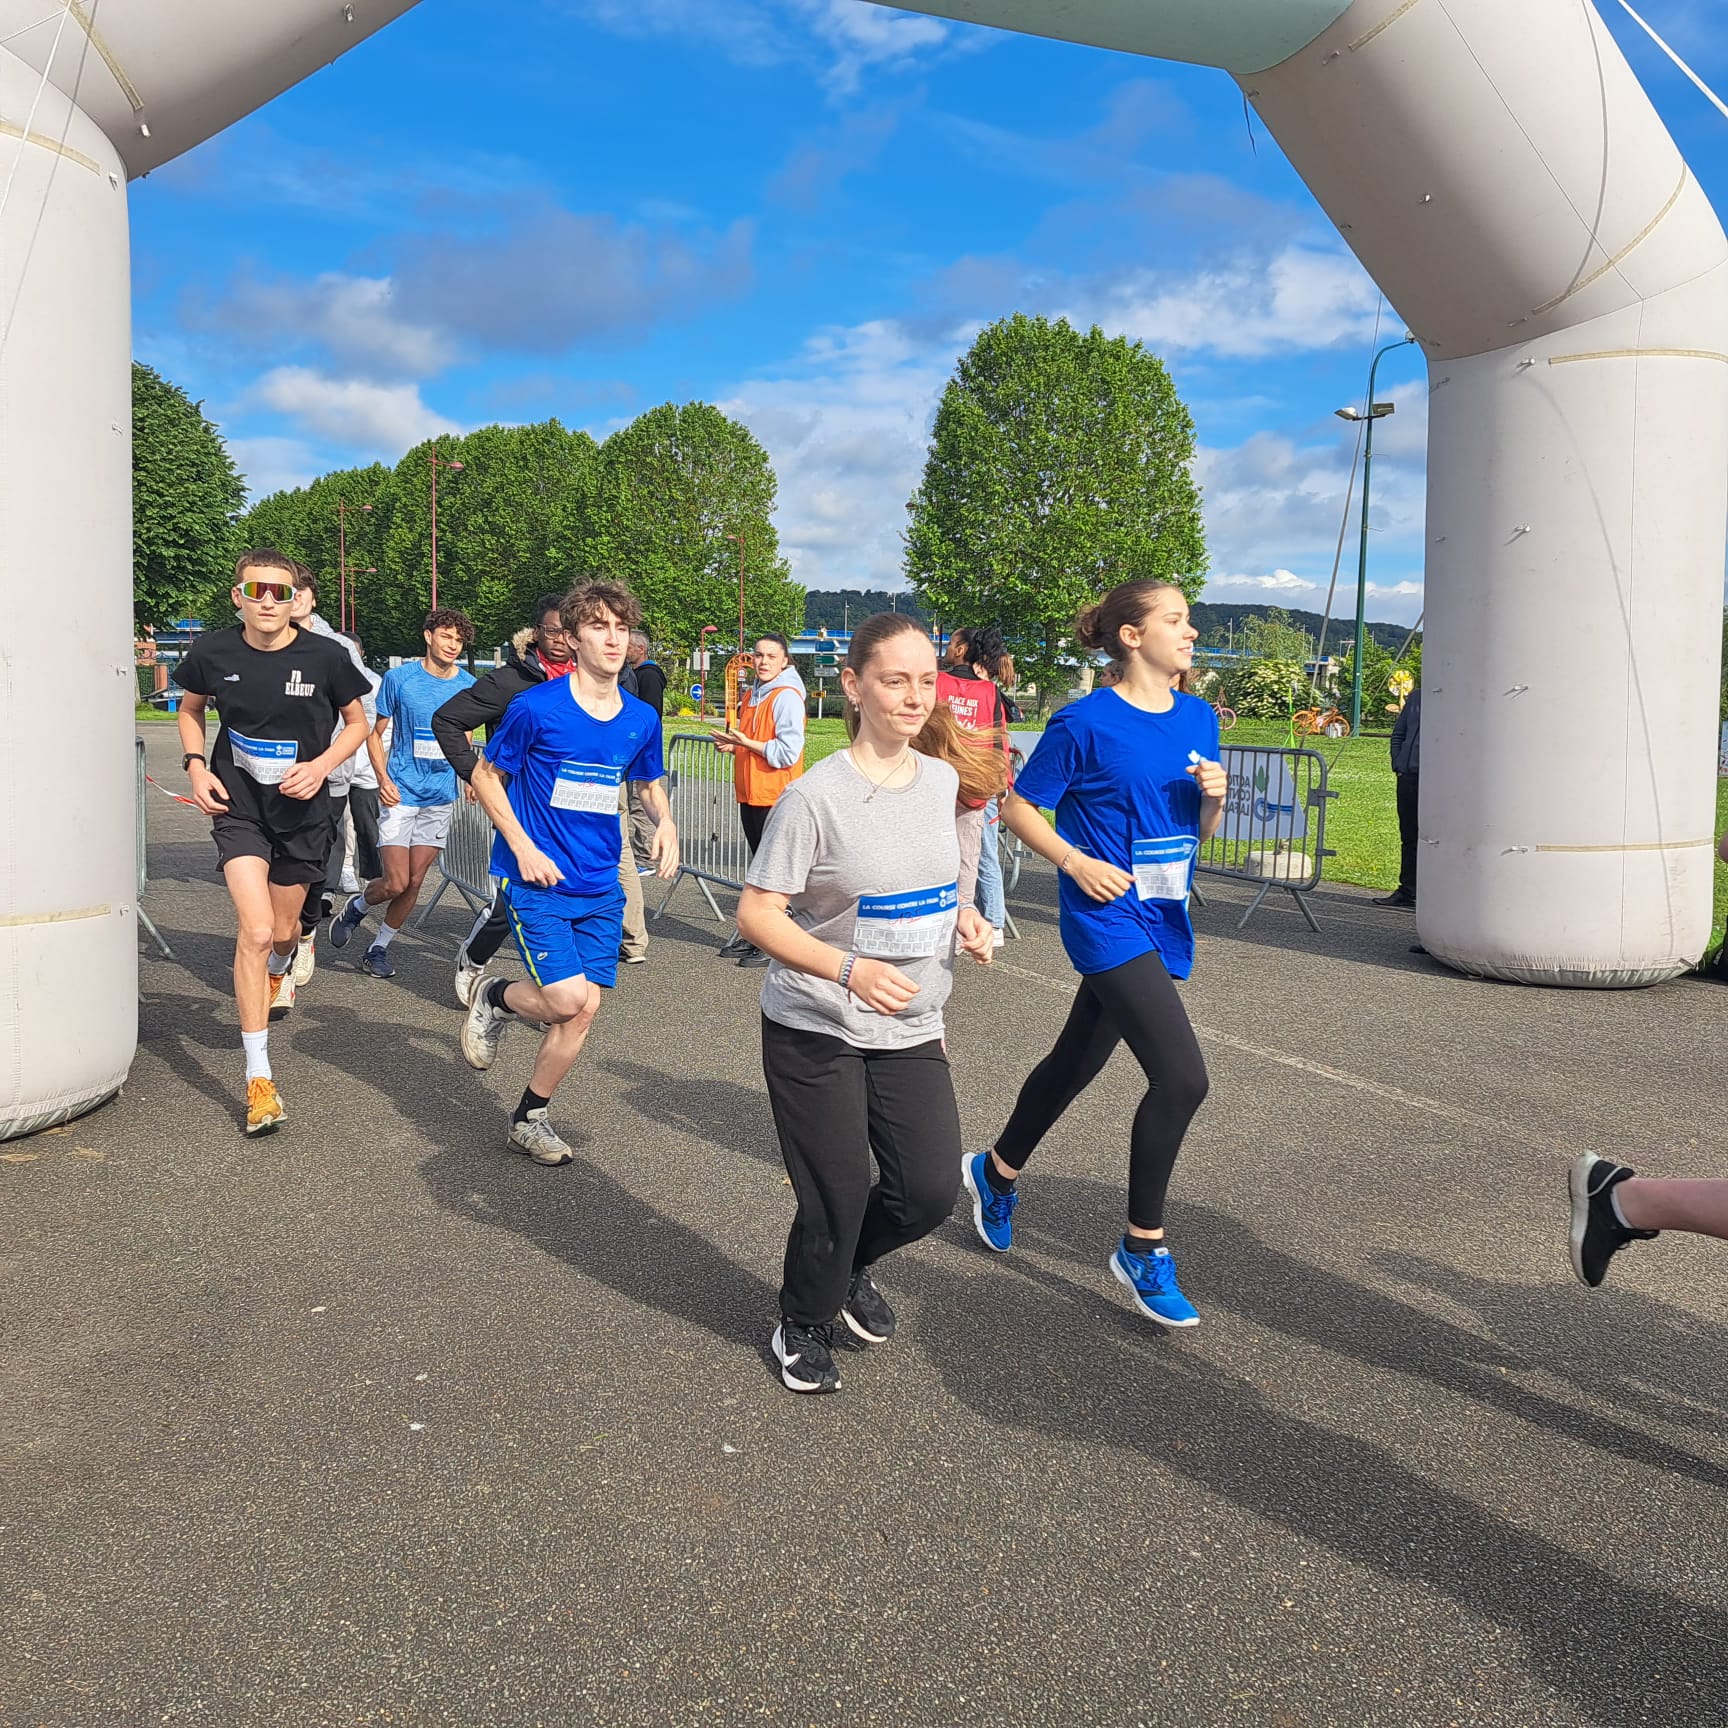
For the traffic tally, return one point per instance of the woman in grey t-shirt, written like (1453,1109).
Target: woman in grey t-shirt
(854,896)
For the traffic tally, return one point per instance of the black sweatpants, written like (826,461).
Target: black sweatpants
(754,818)
(834,1105)
(1407,831)
(490,929)
(1136,1004)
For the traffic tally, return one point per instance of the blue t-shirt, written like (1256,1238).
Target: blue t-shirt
(565,771)
(410,696)
(1117,778)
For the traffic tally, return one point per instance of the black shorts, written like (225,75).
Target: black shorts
(298,857)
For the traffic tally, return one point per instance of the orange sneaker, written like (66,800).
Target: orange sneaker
(264,1106)
(281,990)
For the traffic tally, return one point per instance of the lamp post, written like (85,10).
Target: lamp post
(342,571)
(702,656)
(740,539)
(1375,411)
(455,468)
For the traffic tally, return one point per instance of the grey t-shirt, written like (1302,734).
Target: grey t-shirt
(875,872)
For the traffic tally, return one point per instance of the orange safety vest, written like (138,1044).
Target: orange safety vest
(752,779)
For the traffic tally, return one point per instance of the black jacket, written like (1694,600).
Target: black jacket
(1407,736)
(483,703)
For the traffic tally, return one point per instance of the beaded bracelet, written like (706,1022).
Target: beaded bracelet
(846,965)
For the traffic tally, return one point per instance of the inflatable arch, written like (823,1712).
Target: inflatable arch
(1496,168)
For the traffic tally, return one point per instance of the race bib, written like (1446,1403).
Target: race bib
(265,759)
(426,745)
(591,787)
(1162,867)
(907,926)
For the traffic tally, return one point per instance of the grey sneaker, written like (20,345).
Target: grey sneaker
(305,959)
(469,978)
(482,1032)
(539,1139)
(346,922)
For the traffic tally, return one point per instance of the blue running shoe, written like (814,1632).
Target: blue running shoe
(346,922)
(377,963)
(992,1213)
(1151,1279)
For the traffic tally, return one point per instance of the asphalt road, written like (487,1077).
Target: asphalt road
(373,1422)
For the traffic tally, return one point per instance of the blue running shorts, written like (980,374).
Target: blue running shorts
(562,936)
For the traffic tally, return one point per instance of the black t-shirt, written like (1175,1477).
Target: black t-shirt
(651,686)
(277,709)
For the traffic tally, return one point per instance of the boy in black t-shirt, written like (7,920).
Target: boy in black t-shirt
(279,691)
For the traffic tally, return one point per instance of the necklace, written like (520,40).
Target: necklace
(875,785)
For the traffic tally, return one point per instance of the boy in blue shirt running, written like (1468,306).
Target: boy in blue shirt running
(550,780)
(417,787)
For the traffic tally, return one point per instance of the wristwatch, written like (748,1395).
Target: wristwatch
(189,758)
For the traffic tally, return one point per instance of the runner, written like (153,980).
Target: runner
(416,786)
(321,899)
(533,656)
(767,747)
(854,896)
(1133,777)
(1612,1206)
(651,687)
(360,860)
(279,691)
(968,685)
(568,746)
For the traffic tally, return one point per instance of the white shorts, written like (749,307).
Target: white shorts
(414,825)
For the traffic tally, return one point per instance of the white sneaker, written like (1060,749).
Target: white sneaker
(281,990)
(539,1139)
(998,937)
(468,978)
(482,1032)
(305,959)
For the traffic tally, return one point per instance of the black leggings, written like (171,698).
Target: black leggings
(491,926)
(754,818)
(1135,1004)
(834,1105)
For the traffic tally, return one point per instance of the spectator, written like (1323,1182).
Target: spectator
(651,687)
(1406,761)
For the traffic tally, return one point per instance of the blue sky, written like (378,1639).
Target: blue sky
(500,210)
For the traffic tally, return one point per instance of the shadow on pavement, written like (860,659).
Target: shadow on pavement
(1620,1652)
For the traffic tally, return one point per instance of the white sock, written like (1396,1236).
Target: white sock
(384,937)
(279,963)
(358,907)
(1614,1202)
(257,1055)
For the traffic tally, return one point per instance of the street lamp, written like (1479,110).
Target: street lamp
(740,539)
(1375,411)
(455,468)
(343,572)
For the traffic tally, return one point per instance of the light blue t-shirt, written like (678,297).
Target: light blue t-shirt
(410,696)
(565,771)
(1117,778)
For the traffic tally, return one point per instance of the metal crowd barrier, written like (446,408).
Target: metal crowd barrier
(711,844)
(465,864)
(142,829)
(1274,827)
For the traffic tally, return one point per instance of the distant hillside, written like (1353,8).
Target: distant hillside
(832,609)
(1215,620)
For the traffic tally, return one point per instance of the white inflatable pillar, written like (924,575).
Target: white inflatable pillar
(1500,173)
(68,925)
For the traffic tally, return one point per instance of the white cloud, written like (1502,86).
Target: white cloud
(1303,297)
(379,419)
(275,464)
(352,318)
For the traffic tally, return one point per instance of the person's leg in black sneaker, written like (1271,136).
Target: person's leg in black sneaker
(915,1134)
(487,935)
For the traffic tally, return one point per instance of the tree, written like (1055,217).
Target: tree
(185,497)
(669,489)
(1060,465)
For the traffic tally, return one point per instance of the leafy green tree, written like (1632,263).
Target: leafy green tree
(1060,465)
(1274,637)
(669,489)
(185,497)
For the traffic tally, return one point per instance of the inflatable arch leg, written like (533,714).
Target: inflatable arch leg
(1497,169)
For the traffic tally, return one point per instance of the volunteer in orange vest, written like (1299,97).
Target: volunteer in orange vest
(767,746)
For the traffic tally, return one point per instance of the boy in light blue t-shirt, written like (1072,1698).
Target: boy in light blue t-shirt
(417,787)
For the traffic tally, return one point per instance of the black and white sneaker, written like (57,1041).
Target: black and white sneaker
(866,1312)
(1597,1233)
(806,1357)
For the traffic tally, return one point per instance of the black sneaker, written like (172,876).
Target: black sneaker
(734,946)
(806,1357)
(1597,1233)
(866,1312)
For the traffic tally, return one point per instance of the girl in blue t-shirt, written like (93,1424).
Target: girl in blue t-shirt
(1133,776)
